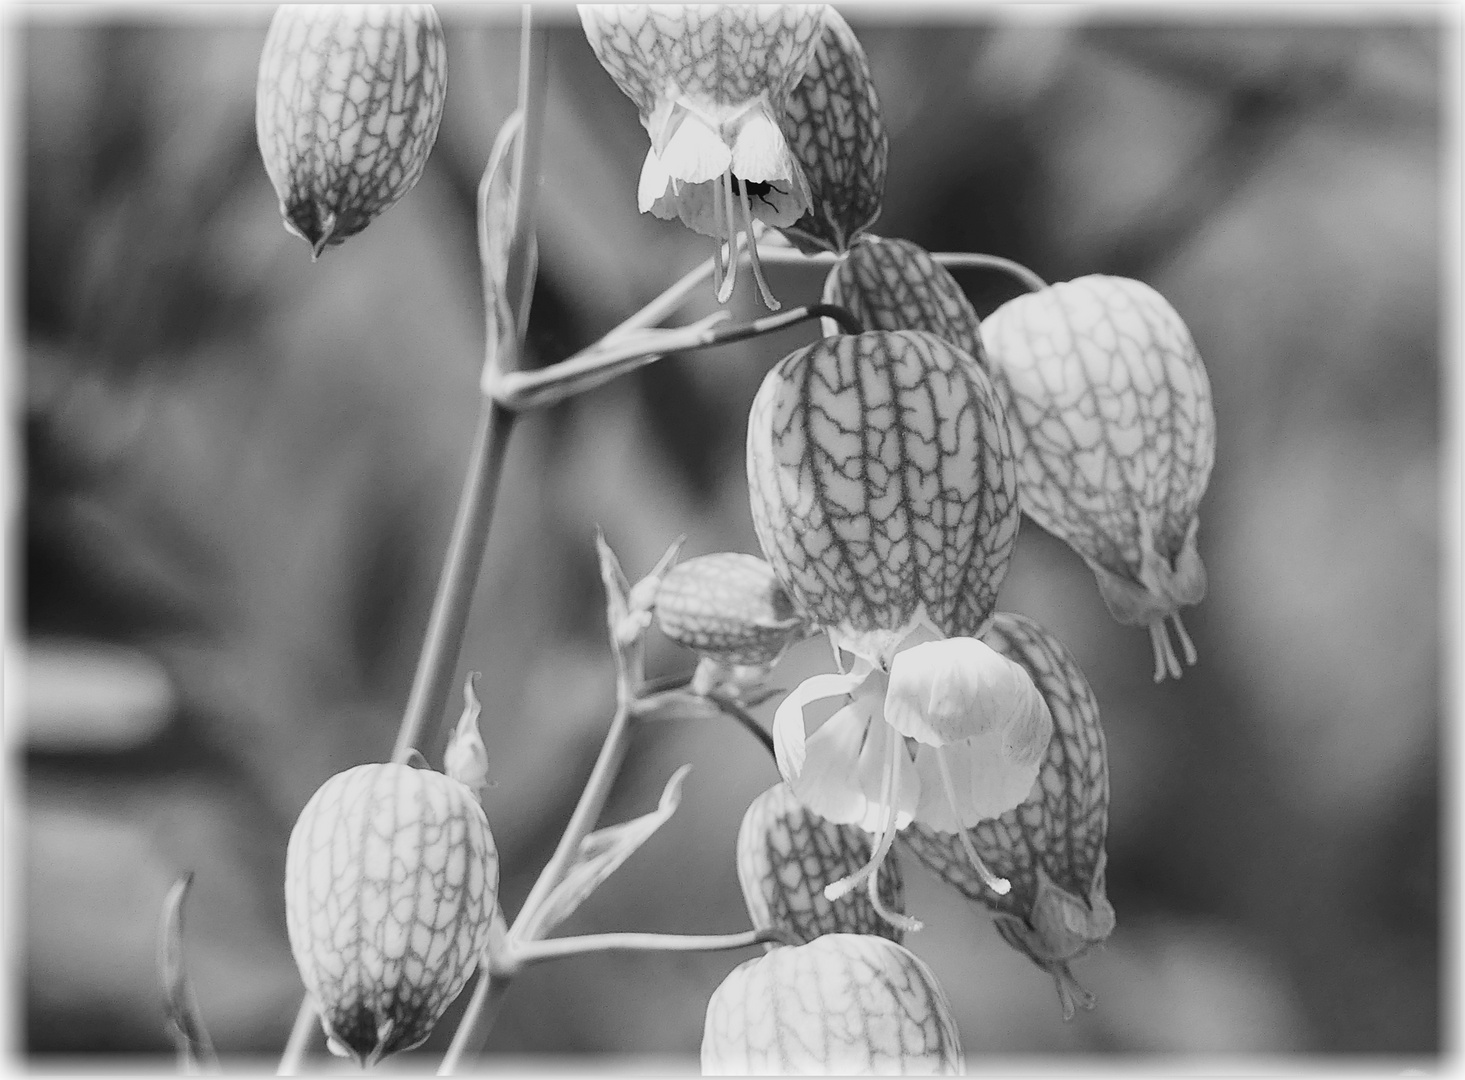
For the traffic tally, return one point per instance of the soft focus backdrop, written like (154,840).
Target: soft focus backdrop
(240,468)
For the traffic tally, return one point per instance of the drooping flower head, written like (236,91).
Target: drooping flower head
(787,854)
(1111,418)
(834,126)
(842,1005)
(391,879)
(711,83)
(1051,847)
(884,495)
(347,109)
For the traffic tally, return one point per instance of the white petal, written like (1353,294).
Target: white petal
(943,692)
(655,182)
(788,719)
(987,777)
(695,153)
(827,784)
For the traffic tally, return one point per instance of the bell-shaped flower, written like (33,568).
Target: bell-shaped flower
(711,83)
(1115,436)
(942,731)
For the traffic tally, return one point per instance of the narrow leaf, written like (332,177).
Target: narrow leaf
(601,854)
(506,303)
(185,1024)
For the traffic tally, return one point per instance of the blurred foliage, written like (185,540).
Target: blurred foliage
(241,467)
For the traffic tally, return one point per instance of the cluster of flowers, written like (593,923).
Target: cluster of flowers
(887,473)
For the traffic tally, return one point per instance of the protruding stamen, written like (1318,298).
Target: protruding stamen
(1165,659)
(1185,643)
(727,226)
(764,291)
(1070,993)
(1000,886)
(836,891)
(900,920)
(718,230)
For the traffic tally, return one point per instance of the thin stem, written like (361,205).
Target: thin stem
(299,1042)
(448,621)
(971,260)
(601,363)
(478,1019)
(665,305)
(582,821)
(592,943)
(791,256)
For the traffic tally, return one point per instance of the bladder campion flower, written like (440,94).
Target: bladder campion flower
(346,111)
(842,1005)
(833,124)
(883,493)
(391,877)
(1051,847)
(893,284)
(711,83)
(786,855)
(1112,422)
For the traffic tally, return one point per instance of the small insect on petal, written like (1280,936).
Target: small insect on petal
(1112,422)
(391,878)
(347,109)
(832,123)
(1051,847)
(729,606)
(882,483)
(842,1005)
(787,854)
(892,284)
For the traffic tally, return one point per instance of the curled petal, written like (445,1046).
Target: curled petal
(788,720)
(989,774)
(828,783)
(947,691)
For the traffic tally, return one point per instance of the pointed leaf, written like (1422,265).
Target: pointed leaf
(506,302)
(184,1021)
(601,854)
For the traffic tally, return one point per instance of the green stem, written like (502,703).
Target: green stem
(601,363)
(971,260)
(299,1041)
(478,1018)
(791,256)
(556,948)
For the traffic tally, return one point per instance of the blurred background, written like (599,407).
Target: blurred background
(239,469)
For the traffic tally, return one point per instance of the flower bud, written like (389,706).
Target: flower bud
(728,606)
(346,110)
(882,485)
(844,1004)
(892,284)
(391,877)
(1111,419)
(1051,847)
(786,856)
(832,123)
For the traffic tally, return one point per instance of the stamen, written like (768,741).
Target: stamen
(899,920)
(727,227)
(1000,886)
(718,230)
(836,891)
(1185,642)
(768,300)
(1070,993)
(1164,654)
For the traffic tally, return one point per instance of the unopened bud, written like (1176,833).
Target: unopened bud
(391,878)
